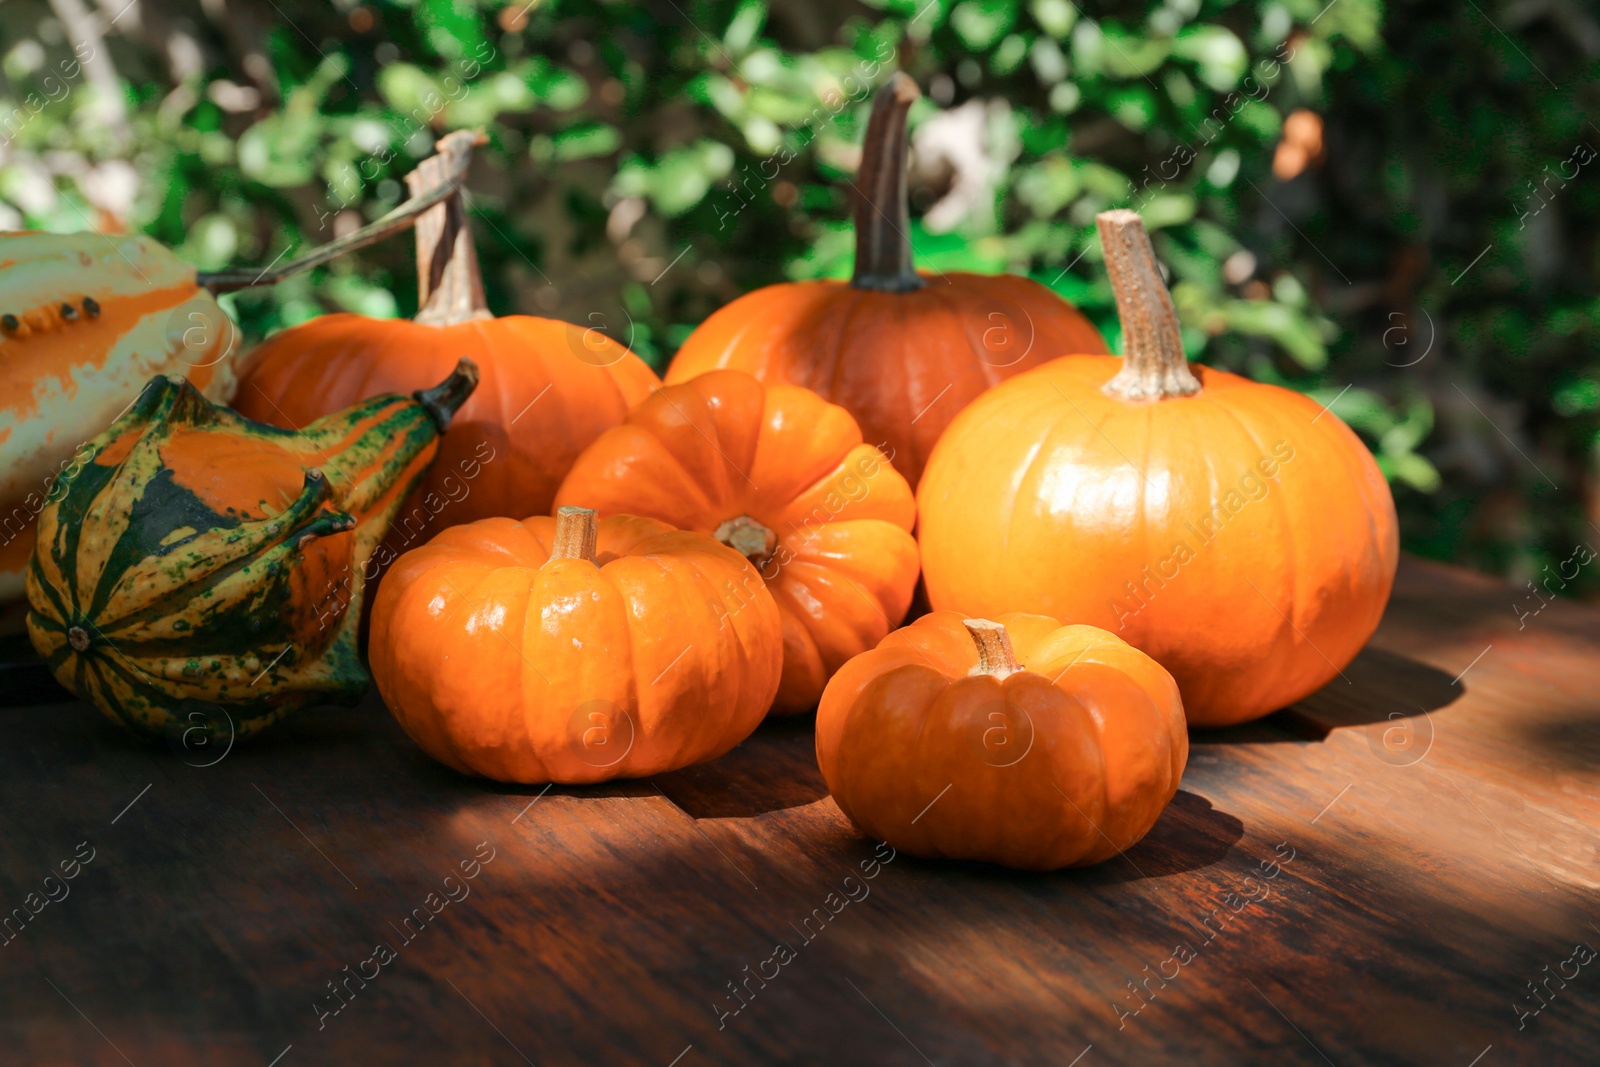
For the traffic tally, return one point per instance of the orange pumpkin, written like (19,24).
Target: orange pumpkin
(548,387)
(902,352)
(1237,532)
(570,650)
(782,476)
(1018,741)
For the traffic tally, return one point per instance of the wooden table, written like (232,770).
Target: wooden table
(1373,876)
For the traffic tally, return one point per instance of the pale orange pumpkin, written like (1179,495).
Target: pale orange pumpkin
(570,650)
(784,477)
(548,388)
(1238,532)
(902,352)
(1016,741)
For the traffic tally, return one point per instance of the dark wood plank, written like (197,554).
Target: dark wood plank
(1442,828)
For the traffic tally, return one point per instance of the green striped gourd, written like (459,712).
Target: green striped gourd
(198,562)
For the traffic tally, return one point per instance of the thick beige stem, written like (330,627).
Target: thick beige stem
(576,530)
(995,657)
(449,284)
(1154,366)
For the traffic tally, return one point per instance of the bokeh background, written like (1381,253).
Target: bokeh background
(1393,207)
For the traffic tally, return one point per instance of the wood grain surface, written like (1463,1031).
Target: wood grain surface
(1388,873)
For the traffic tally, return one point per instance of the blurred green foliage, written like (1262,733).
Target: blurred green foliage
(651,161)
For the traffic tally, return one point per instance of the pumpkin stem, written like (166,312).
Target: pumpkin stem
(446,398)
(883,219)
(576,532)
(1154,366)
(444,186)
(449,285)
(995,657)
(749,538)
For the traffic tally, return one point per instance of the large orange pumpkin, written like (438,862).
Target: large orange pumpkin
(548,388)
(784,477)
(902,352)
(570,650)
(1237,532)
(1016,741)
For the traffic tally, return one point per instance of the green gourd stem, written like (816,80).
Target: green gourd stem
(454,153)
(1154,366)
(576,532)
(446,398)
(995,657)
(883,218)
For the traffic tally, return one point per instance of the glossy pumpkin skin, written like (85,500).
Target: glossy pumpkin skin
(1243,536)
(85,321)
(723,447)
(1062,763)
(902,363)
(201,571)
(502,662)
(548,389)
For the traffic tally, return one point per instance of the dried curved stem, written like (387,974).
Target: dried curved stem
(883,219)
(1154,366)
(449,284)
(445,186)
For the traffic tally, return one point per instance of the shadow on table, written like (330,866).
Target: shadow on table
(1378,687)
(1190,835)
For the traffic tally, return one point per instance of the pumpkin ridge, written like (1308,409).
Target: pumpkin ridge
(1285,530)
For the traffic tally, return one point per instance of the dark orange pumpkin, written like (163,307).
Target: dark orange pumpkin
(548,388)
(902,352)
(1018,741)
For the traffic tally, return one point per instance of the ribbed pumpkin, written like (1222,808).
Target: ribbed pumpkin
(1016,741)
(784,477)
(1237,532)
(85,321)
(549,388)
(902,352)
(200,570)
(573,649)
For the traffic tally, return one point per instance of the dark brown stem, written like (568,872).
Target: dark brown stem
(995,657)
(401,218)
(883,220)
(1154,366)
(449,285)
(576,532)
(446,398)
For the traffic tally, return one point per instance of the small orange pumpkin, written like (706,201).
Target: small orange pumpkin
(574,650)
(548,387)
(1236,531)
(782,476)
(1018,741)
(902,352)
